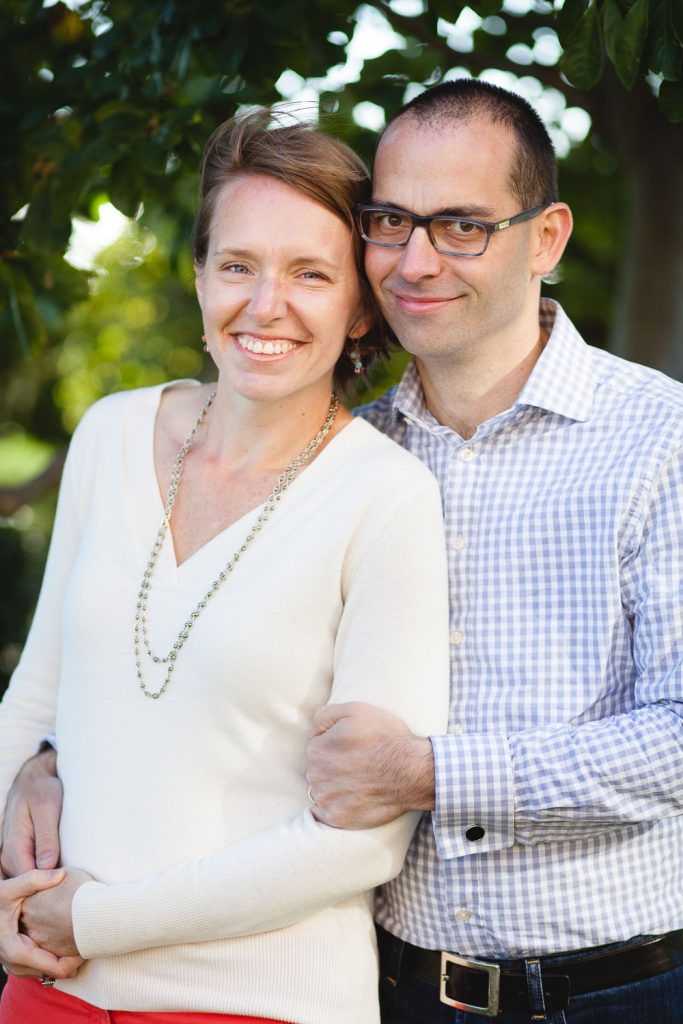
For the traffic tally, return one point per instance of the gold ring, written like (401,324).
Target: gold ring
(46,981)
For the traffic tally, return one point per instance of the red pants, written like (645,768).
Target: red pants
(26,1001)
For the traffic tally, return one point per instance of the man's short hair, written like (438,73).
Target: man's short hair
(533,177)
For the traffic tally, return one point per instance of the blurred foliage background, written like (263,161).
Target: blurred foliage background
(111,101)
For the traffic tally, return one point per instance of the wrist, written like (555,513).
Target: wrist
(416,788)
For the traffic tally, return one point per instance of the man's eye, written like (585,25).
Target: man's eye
(387,221)
(236,268)
(461,227)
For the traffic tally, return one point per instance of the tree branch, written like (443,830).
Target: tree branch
(12,498)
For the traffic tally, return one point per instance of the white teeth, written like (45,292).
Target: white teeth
(268,348)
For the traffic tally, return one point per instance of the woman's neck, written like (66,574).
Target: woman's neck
(267,434)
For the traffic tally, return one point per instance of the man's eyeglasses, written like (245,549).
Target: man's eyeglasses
(454,236)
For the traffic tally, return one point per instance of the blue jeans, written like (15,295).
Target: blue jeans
(657,1000)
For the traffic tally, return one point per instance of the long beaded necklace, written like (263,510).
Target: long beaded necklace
(281,484)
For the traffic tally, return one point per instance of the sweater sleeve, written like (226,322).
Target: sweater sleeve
(27,712)
(391,650)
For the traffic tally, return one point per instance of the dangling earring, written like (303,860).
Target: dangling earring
(204,345)
(355,357)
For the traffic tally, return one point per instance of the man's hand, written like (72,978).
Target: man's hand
(19,954)
(46,916)
(365,767)
(31,830)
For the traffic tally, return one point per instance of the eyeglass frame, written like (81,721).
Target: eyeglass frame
(490,227)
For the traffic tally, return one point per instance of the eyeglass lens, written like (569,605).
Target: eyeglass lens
(452,235)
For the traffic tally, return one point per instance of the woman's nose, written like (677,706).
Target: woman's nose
(268,300)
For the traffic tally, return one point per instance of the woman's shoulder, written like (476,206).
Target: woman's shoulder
(120,408)
(386,458)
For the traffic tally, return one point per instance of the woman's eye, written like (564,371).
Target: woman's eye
(236,268)
(312,275)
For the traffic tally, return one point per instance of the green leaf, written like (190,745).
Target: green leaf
(568,18)
(485,8)
(630,42)
(116,108)
(47,225)
(671,100)
(15,313)
(612,22)
(583,58)
(447,9)
(665,53)
(24,318)
(676,19)
(126,186)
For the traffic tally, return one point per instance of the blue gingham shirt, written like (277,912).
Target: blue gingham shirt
(564,521)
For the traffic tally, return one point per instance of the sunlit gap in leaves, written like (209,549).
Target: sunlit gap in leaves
(90,237)
(373,36)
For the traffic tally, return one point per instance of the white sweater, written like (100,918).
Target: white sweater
(217,890)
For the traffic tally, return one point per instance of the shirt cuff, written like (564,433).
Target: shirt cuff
(475,809)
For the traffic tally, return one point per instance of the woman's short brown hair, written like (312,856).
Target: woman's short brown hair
(266,141)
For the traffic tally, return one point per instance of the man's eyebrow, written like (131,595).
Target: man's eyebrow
(471,210)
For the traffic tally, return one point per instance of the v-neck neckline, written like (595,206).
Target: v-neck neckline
(168,562)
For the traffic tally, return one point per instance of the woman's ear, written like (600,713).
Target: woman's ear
(367,316)
(552,230)
(360,326)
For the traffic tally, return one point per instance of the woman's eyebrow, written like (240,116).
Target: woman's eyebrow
(315,260)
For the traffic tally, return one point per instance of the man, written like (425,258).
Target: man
(556,803)
(556,797)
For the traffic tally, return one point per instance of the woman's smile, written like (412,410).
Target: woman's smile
(258,345)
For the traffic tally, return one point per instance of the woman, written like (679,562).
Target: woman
(265,592)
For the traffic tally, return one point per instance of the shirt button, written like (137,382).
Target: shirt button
(463,916)
(457,637)
(456,730)
(474,833)
(458,543)
(467,454)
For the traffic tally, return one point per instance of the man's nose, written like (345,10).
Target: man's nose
(419,258)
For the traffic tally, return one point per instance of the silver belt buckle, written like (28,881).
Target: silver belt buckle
(493,997)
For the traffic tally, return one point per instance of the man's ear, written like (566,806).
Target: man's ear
(552,229)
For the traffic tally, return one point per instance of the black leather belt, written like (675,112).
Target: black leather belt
(487,987)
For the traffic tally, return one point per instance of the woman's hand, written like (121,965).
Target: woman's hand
(19,954)
(46,916)
(31,827)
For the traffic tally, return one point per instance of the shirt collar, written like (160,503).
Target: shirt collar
(562,381)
